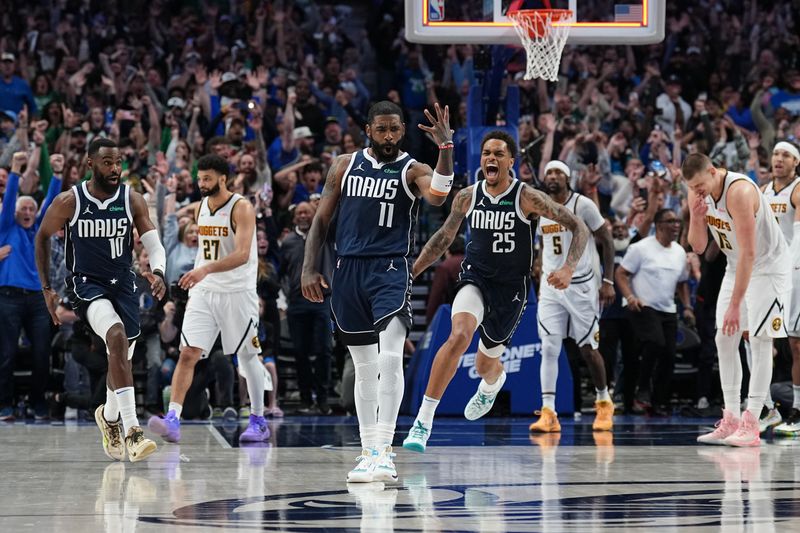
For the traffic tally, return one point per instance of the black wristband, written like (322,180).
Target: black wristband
(160,275)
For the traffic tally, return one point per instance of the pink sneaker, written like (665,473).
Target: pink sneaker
(724,428)
(747,434)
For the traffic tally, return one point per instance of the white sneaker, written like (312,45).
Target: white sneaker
(384,469)
(768,418)
(791,427)
(363,471)
(481,403)
(417,437)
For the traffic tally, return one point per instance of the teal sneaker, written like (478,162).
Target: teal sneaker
(417,438)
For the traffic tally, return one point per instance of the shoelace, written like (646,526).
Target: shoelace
(481,399)
(419,431)
(114,435)
(361,458)
(137,437)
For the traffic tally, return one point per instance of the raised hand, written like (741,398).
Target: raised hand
(440,126)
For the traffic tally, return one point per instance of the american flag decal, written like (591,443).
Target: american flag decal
(628,13)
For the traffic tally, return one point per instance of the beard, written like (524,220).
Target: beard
(105,185)
(620,245)
(210,192)
(386,152)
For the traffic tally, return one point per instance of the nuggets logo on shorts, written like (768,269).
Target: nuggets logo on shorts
(597,336)
(255,343)
(776,324)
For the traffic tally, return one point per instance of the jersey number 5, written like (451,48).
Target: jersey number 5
(503,243)
(211,250)
(724,243)
(557,249)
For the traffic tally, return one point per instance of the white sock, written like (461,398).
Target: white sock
(796,395)
(730,371)
(365,361)
(760,374)
(111,409)
(491,388)
(126,399)
(253,372)
(384,434)
(549,400)
(177,407)
(602,394)
(427,410)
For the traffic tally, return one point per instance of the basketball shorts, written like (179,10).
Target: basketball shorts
(793,311)
(120,291)
(762,310)
(234,315)
(571,313)
(366,293)
(503,305)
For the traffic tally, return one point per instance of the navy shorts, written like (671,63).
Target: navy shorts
(366,293)
(503,304)
(82,290)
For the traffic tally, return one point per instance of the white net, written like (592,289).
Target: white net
(542,40)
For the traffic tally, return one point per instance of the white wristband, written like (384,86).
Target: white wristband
(440,184)
(155,250)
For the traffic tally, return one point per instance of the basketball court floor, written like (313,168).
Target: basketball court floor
(489,475)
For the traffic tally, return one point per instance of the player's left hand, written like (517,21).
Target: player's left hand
(561,278)
(607,294)
(730,322)
(192,278)
(157,285)
(440,126)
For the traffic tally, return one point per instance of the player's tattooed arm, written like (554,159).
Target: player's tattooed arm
(443,238)
(312,281)
(536,203)
(56,217)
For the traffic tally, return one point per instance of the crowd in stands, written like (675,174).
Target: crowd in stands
(280,88)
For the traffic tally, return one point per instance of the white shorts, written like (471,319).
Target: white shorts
(792,313)
(234,315)
(573,312)
(762,310)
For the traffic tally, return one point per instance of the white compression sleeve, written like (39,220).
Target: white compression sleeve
(156,251)
(365,361)
(390,383)
(730,370)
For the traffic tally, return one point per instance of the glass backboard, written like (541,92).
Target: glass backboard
(484,21)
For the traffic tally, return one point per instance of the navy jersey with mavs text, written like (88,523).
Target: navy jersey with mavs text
(501,237)
(99,256)
(377,210)
(100,234)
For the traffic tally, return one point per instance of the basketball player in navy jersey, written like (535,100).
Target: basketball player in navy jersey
(377,193)
(495,276)
(99,217)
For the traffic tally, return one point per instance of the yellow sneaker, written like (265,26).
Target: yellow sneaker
(112,436)
(139,446)
(547,423)
(604,420)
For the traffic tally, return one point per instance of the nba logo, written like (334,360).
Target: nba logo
(436,10)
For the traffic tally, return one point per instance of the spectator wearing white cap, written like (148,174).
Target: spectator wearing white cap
(648,277)
(15,93)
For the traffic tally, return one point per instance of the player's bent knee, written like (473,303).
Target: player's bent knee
(460,338)
(102,318)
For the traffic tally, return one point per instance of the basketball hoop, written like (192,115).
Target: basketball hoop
(543,33)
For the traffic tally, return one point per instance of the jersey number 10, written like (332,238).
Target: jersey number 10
(117,245)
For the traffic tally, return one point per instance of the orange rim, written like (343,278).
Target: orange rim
(541,19)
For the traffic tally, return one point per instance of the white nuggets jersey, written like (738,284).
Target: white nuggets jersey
(556,239)
(782,208)
(771,248)
(216,241)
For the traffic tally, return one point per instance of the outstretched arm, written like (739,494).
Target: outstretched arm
(435,186)
(311,280)
(443,238)
(536,203)
(55,218)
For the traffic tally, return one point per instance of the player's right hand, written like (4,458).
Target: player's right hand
(699,208)
(312,284)
(561,278)
(51,299)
